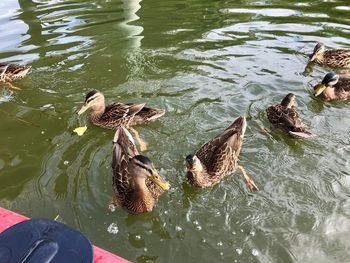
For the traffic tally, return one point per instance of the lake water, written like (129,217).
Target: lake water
(205,62)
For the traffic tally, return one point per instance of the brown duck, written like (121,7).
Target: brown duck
(285,117)
(136,183)
(333,87)
(117,114)
(336,58)
(11,72)
(218,158)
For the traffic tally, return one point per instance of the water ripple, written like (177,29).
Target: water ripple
(205,62)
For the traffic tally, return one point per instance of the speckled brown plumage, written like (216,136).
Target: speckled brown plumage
(132,189)
(11,72)
(285,117)
(218,157)
(331,57)
(117,114)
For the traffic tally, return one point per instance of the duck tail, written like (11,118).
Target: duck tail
(148,115)
(123,146)
(238,124)
(155,114)
(121,133)
(23,71)
(302,134)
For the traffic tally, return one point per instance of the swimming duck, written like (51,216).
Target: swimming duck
(117,114)
(285,117)
(333,87)
(136,183)
(11,72)
(330,57)
(218,158)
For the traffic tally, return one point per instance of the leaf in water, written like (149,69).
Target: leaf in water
(80,130)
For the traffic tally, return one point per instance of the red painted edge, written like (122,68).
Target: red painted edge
(9,218)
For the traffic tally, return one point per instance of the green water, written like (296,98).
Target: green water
(204,62)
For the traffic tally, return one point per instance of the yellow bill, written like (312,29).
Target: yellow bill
(319,89)
(80,130)
(159,181)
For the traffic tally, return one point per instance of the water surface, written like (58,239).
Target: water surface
(205,62)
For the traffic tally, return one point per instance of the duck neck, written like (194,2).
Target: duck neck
(319,58)
(199,179)
(142,199)
(329,93)
(98,110)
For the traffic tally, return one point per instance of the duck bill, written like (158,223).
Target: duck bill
(83,109)
(159,181)
(319,89)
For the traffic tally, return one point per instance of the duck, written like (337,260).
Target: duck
(218,158)
(333,87)
(117,114)
(337,58)
(11,72)
(136,183)
(284,117)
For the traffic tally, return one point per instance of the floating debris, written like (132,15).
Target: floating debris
(178,228)
(113,228)
(239,251)
(255,252)
(56,217)
(80,130)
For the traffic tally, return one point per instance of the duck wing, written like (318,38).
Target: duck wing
(288,120)
(124,150)
(220,155)
(343,84)
(281,116)
(117,111)
(338,57)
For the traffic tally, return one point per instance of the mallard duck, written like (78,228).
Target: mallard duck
(333,87)
(218,158)
(117,114)
(11,72)
(136,183)
(285,117)
(331,57)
